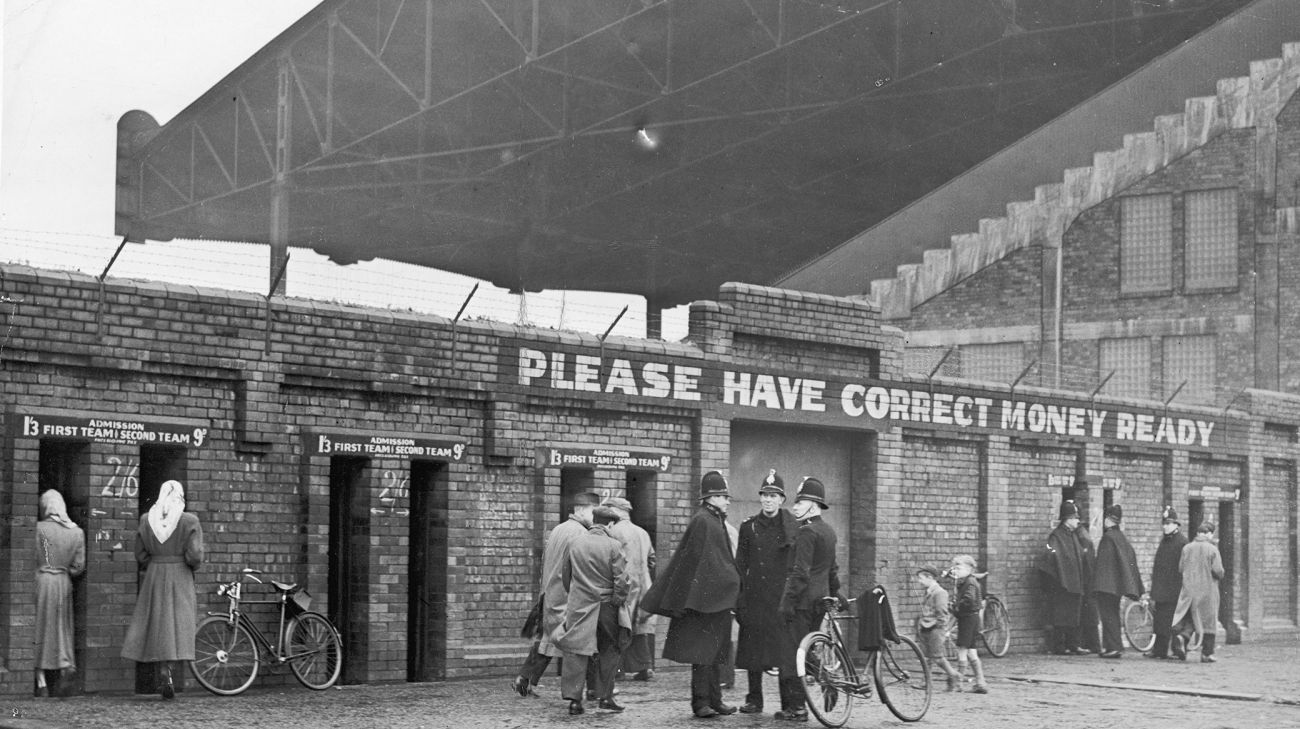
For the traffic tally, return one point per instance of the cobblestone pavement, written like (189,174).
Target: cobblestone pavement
(1026,691)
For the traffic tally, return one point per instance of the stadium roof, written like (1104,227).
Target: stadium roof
(655,147)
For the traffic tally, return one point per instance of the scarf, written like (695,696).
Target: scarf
(54,509)
(166,512)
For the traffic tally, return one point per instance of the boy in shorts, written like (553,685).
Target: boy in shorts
(933,621)
(969,597)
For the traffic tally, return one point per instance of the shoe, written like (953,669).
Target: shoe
(791,715)
(645,675)
(749,708)
(521,686)
(1112,654)
(979,688)
(1076,651)
(954,684)
(1209,659)
(1152,654)
(168,690)
(575,707)
(591,695)
(705,712)
(609,705)
(40,692)
(725,709)
(1178,646)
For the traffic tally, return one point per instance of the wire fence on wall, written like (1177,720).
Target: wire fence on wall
(957,363)
(377,283)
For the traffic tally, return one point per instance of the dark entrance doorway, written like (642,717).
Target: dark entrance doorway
(158,464)
(426,653)
(573,481)
(65,467)
(642,489)
(349,572)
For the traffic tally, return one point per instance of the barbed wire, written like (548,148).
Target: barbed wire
(377,283)
(923,361)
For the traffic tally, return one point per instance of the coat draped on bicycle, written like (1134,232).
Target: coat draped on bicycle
(170,548)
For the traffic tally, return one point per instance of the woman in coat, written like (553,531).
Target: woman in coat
(169,546)
(1198,603)
(60,556)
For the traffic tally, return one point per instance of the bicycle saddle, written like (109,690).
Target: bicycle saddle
(283,587)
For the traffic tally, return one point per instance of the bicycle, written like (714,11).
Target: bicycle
(901,673)
(1139,624)
(995,633)
(226,653)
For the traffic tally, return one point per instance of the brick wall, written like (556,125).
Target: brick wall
(203,359)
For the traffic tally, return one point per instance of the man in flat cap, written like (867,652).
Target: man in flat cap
(1166,582)
(1061,567)
(698,591)
(1116,575)
(813,575)
(639,656)
(593,632)
(763,554)
(550,608)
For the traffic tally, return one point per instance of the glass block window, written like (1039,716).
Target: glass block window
(1211,218)
(1130,360)
(993,362)
(1191,359)
(1146,244)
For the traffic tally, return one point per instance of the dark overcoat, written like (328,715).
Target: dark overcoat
(813,573)
(698,590)
(1116,571)
(1064,564)
(1166,579)
(766,546)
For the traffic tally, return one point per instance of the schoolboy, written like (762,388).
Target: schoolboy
(969,598)
(934,618)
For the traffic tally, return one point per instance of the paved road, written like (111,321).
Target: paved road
(1026,691)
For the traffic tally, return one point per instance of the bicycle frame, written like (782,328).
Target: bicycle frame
(233,591)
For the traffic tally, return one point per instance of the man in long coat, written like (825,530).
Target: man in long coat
(1198,603)
(552,594)
(812,576)
(596,582)
(1061,565)
(1166,581)
(1116,575)
(698,591)
(639,656)
(766,546)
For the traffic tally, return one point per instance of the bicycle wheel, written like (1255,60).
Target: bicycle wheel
(903,679)
(828,678)
(225,656)
(314,651)
(1139,626)
(996,634)
(949,637)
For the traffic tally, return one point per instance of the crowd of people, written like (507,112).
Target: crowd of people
(1085,586)
(771,576)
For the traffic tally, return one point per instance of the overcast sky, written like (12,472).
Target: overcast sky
(73,67)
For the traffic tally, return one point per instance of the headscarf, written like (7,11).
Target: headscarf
(166,512)
(54,509)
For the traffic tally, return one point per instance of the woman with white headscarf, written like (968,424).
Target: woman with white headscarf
(169,546)
(60,556)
